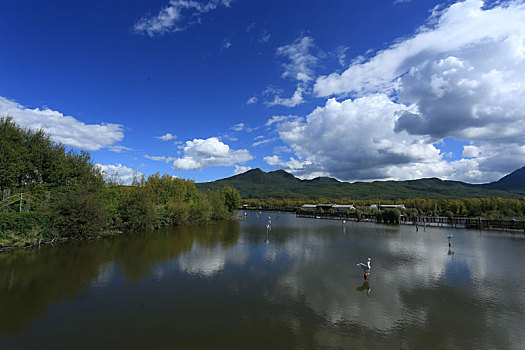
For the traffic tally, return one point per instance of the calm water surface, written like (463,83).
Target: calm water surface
(226,286)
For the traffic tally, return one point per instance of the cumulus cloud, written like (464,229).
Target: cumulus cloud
(239,169)
(463,28)
(293,101)
(166,137)
(353,139)
(479,98)
(203,153)
(365,146)
(176,17)
(65,129)
(251,100)
(459,76)
(292,164)
(470,151)
(119,173)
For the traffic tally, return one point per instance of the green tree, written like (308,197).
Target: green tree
(136,209)
(232,198)
(81,211)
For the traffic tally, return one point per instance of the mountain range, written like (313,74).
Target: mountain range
(256,183)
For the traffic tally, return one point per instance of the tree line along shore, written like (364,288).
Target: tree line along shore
(486,208)
(51,193)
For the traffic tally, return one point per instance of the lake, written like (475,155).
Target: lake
(231,286)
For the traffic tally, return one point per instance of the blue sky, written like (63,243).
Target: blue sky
(357,90)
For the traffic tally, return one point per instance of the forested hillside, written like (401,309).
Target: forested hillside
(280,184)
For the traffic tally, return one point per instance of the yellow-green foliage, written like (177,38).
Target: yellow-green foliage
(15,239)
(160,201)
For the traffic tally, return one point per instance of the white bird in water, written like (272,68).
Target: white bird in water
(366,267)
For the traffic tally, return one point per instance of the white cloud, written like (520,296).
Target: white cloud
(281,149)
(292,164)
(264,37)
(160,158)
(120,149)
(262,142)
(353,139)
(460,76)
(239,169)
(227,137)
(238,127)
(301,60)
(119,173)
(293,101)
(470,152)
(65,129)
(176,17)
(203,153)
(342,56)
(464,27)
(251,100)
(166,137)
(364,144)
(298,68)
(279,118)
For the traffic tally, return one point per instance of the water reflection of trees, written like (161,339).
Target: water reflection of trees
(32,279)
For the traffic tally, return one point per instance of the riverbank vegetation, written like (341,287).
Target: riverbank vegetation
(487,208)
(50,193)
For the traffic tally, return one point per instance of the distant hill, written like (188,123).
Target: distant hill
(514,181)
(256,183)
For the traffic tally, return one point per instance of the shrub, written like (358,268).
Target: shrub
(179,212)
(232,198)
(81,211)
(136,209)
(20,229)
(199,210)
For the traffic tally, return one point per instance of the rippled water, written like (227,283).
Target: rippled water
(228,286)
